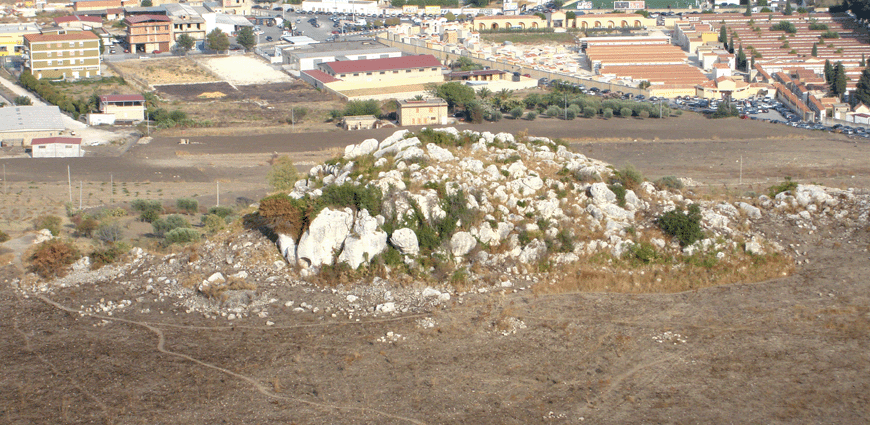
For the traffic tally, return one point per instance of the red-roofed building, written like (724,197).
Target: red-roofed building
(79,23)
(381,73)
(56,147)
(148,33)
(125,107)
(71,55)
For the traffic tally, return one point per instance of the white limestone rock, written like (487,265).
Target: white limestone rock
(601,194)
(287,248)
(750,211)
(438,153)
(324,237)
(366,147)
(533,252)
(461,243)
(397,147)
(405,240)
(364,242)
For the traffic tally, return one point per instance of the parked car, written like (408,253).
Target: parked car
(156,52)
(268,38)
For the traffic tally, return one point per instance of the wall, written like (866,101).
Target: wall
(422,115)
(56,150)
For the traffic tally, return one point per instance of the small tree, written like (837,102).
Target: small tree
(748,11)
(22,100)
(283,174)
(516,112)
(829,71)
(450,16)
(52,258)
(731,44)
(685,227)
(788,10)
(246,38)
(862,91)
(589,112)
(50,222)
(531,115)
(109,232)
(839,87)
(741,59)
(625,112)
(148,210)
(607,113)
(187,205)
(147,3)
(815,51)
(185,42)
(217,40)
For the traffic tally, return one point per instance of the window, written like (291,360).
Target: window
(408,70)
(356,74)
(434,69)
(395,72)
(50,62)
(383,72)
(368,73)
(41,146)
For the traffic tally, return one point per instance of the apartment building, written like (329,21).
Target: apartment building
(186,19)
(12,37)
(69,56)
(148,33)
(422,112)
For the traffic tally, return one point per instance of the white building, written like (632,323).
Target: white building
(57,147)
(308,59)
(341,6)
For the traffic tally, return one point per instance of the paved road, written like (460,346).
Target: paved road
(70,123)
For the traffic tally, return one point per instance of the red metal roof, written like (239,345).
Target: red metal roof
(122,98)
(59,140)
(70,36)
(147,18)
(321,76)
(385,64)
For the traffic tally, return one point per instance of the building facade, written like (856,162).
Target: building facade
(237,7)
(82,5)
(68,56)
(21,124)
(12,37)
(148,33)
(382,73)
(125,107)
(422,112)
(56,147)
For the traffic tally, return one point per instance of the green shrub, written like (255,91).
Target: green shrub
(149,210)
(213,223)
(554,111)
(669,182)
(643,114)
(165,225)
(283,174)
(51,258)
(50,222)
(516,112)
(625,112)
(565,240)
(629,177)
(187,205)
(287,215)
(181,235)
(222,212)
(357,197)
(3,236)
(589,112)
(86,226)
(607,113)
(570,114)
(109,232)
(686,227)
(392,257)
(496,116)
(104,256)
(619,191)
(642,252)
(531,115)
(784,26)
(787,185)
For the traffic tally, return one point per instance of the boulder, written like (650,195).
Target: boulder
(439,154)
(324,237)
(526,185)
(395,137)
(754,246)
(533,252)
(601,194)
(410,154)
(486,234)
(462,243)
(405,240)
(811,194)
(287,248)
(517,169)
(751,211)
(366,147)
(397,147)
(364,242)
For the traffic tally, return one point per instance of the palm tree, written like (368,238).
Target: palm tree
(504,94)
(484,92)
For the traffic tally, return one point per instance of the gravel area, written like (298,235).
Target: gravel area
(244,70)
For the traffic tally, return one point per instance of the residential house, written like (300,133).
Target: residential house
(359,122)
(125,107)
(148,33)
(237,7)
(12,37)
(422,112)
(56,147)
(188,20)
(69,56)
(19,125)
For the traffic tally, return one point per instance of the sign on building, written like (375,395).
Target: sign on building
(584,5)
(629,5)
(409,9)
(433,10)
(510,6)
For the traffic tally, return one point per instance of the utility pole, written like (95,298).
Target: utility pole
(69,183)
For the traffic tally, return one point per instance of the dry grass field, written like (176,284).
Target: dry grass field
(176,70)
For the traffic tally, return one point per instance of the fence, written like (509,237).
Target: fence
(446,57)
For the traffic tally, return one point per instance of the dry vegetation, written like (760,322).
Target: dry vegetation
(181,70)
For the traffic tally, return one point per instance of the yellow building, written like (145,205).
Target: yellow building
(382,73)
(726,88)
(423,112)
(12,37)
(63,56)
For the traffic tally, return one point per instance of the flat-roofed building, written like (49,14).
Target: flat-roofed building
(68,56)
(19,125)
(12,37)
(125,107)
(382,73)
(423,112)
(304,59)
(79,22)
(56,147)
(359,122)
(186,19)
(148,33)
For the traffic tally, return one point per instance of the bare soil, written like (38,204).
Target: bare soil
(790,350)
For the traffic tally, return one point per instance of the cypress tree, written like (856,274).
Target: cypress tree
(748,9)
(723,36)
(741,59)
(839,88)
(815,49)
(829,71)
(731,44)
(788,10)
(862,92)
